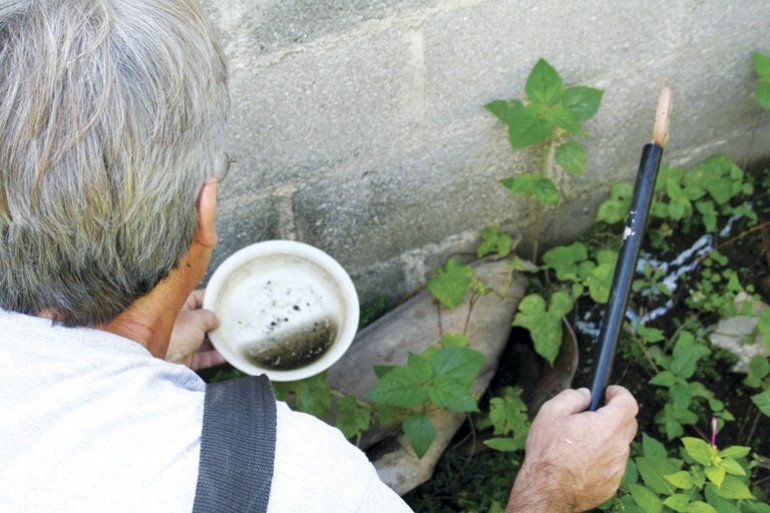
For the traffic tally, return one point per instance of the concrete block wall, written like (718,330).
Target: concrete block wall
(358,126)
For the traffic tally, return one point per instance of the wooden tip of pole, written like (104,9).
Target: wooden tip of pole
(665,103)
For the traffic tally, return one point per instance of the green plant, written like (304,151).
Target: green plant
(710,189)
(674,376)
(549,119)
(441,377)
(509,421)
(704,480)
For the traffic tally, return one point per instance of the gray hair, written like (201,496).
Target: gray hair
(112,117)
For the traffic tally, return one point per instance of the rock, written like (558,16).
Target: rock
(412,327)
(739,334)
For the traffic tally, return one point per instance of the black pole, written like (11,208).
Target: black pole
(624,271)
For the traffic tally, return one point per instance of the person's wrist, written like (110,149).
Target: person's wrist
(541,488)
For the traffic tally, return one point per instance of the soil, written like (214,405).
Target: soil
(470,477)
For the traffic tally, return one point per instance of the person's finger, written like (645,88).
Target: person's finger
(195,299)
(205,359)
(570,401)
(206,346)
(619,397)
(622,404)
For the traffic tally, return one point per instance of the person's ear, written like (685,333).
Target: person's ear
(206,234)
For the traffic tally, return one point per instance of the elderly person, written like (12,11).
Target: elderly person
(112,118)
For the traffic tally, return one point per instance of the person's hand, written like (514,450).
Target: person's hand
(187,344)
(575,459)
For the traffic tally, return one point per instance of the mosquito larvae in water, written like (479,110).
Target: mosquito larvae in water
(294,350)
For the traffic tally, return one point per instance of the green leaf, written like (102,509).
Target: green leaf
(755,507)
(720,504)
(503,444)
(650,335)
(460,363)
(686,354)
(492,241)
(572,158)
(582,101)
(449,285)
(381,370)
(735,451)
(700,507)
(652,471)
(352,419)
(454,340)
(681,397)
(615,208)
(631,475)
(600,282)
(564,260)
(545,190)
(452,394)
(644,498)
(715,174)
(715,474)
(420,432)
(563,118)
(681,479)
(533,185)
(732,467)
(762,93)
(653,448)
(313,395)
(496,507)
(508,415)
(761,65)
(544,324)
(504,109)
(520,184)
(527,126)
(762,401)
(544,85)
(733,488)
(677,502)
(402,386)
(698,450)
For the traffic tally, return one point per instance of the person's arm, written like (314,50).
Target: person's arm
(575,459)
(187,344)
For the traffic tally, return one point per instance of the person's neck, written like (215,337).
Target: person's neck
(149,321)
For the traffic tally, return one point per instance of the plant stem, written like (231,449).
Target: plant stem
(751,140)
(474,297)
(645,353)
(735,239)
(536,231)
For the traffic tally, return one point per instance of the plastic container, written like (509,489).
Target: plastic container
(287,310)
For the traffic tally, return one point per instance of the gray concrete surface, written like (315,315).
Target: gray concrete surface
(358,126)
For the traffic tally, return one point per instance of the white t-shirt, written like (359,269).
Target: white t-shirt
(91,422)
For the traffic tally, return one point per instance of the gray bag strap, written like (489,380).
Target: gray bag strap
(237,447)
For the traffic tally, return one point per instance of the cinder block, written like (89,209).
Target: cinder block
(385,208)
(272,25)
(320,107)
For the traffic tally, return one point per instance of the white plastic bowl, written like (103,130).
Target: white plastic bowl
(280,303)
